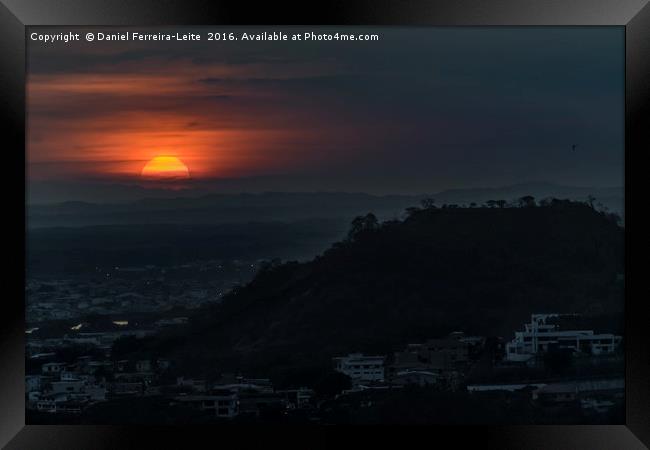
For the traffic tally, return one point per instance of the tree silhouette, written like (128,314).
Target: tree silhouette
(527,201)
(412,210)
(548,201)
(428,203)
(590,201)
(362,224)
(501,203)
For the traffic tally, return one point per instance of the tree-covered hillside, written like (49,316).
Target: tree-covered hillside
(482,270)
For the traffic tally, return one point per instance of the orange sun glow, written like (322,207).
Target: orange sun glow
(165,167)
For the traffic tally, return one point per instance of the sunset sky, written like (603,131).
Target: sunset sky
(421,110)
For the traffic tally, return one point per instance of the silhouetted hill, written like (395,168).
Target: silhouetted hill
(480,270)
(611,197)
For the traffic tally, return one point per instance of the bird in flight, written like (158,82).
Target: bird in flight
(573,147)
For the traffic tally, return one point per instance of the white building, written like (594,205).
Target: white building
(67,375)
(60,403)
(360,367)
(539,336)
(49,403)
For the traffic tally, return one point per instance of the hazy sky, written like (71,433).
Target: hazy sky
(422,109)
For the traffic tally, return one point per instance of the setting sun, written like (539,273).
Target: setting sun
(168,167)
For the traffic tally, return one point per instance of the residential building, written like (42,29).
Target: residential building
(445,353)
(297,398)
(195,385)
(437,355)
(571,391)
(360,367)
(48,403)
(67,387)
(415,377)
(143,365)
(163,364)
(541,335)
(126,388)
(409,359)
(52,368)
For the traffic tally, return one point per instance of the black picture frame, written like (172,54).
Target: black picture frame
(16,15)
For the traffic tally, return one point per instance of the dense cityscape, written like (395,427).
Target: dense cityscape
(125,291)
(76,371)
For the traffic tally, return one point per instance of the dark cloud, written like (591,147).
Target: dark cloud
(438,107)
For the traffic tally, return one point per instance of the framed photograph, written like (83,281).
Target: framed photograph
(310,221)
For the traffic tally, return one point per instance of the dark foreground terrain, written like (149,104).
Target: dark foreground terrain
(478,270)
(459,279)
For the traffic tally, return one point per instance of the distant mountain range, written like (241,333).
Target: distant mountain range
(288,206)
